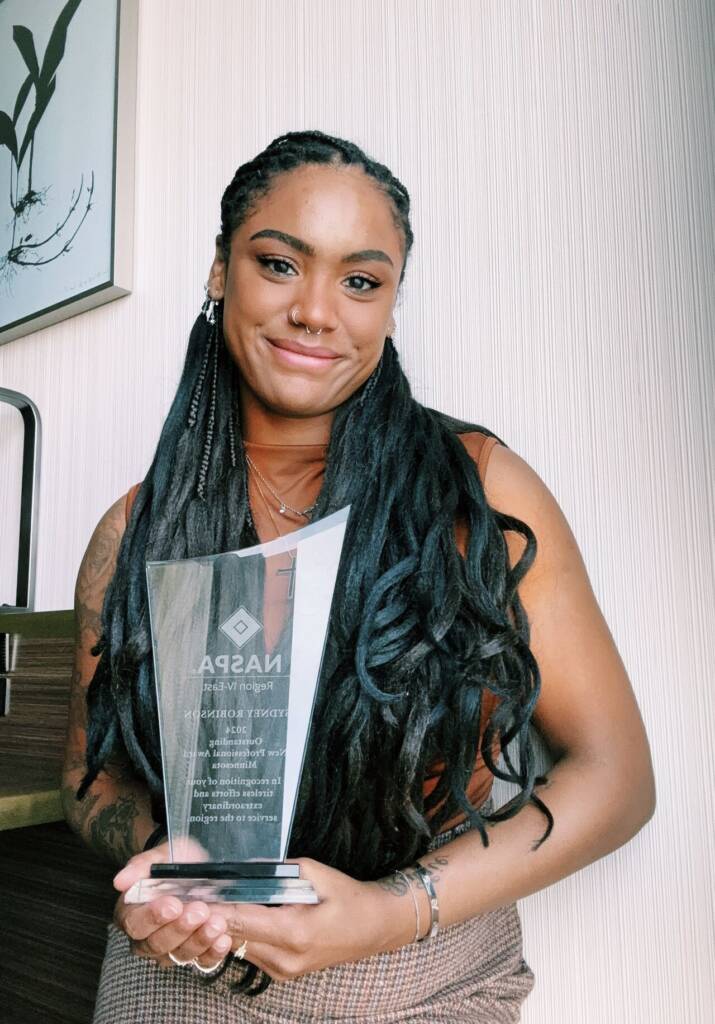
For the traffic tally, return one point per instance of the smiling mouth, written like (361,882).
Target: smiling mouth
(295,354)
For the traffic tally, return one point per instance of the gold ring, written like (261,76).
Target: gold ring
(241,951)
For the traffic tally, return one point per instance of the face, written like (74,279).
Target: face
(322,245)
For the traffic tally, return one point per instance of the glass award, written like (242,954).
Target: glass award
(238,641)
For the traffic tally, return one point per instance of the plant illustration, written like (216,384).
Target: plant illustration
(26,250)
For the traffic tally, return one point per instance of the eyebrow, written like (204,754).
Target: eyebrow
(308,250)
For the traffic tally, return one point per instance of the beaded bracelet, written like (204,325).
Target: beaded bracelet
(426,879)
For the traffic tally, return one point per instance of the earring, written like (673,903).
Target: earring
(209,306)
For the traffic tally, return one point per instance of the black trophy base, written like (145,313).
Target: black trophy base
(267,882)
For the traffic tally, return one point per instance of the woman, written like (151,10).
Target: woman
(463,613)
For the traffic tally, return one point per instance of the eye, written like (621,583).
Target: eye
(372,285)
(275,265)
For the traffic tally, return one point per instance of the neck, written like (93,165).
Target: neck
(264,426)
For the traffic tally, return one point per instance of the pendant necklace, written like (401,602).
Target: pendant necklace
(283,506)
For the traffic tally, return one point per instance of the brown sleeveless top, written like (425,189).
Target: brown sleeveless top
(295,472)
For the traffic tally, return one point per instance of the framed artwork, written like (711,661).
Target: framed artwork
(67,127)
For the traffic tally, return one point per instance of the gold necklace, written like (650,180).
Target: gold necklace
(290,571)
(268,509)
(283,505)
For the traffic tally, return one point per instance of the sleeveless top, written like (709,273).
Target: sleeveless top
(296,473)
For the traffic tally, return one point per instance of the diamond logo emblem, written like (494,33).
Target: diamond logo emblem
(240,627)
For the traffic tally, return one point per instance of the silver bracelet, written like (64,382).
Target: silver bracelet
(426,879)
(416,904)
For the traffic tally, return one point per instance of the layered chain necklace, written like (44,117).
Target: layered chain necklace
(283,506)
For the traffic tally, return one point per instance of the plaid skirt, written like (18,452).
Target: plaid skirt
(469,973)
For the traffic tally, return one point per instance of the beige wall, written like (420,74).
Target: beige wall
(560,158)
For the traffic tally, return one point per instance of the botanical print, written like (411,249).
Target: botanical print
(28,250)
(57,109)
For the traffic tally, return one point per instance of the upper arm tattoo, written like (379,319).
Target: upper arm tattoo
(97,569)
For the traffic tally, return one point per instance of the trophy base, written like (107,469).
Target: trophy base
(268,883)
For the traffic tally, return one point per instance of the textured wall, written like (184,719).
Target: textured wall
(560,158)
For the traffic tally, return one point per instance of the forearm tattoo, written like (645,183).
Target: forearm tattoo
(87,618)
(435,866)
(394,884)
(111,830)
(399,885)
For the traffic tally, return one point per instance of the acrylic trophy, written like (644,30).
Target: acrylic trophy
(238,640)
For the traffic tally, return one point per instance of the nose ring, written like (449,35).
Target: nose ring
(294,320)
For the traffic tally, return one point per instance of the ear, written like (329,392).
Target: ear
(216,283)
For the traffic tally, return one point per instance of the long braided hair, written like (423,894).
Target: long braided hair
(417,634)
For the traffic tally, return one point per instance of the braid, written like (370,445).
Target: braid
(296,149)
(419,633)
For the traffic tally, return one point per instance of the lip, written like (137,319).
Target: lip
(296,354)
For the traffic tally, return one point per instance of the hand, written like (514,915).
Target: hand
(353,920)
(166,925)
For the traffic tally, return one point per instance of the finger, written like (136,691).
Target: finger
(261,924)
(211,959)
(207,943)
(279,964)
(155,936)
(139,867)
(213,956)
(323,878)
(139,920)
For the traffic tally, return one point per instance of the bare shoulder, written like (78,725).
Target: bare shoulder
(509,477)
(514,488)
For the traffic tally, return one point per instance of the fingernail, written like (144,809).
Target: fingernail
(170,910)
(223,944)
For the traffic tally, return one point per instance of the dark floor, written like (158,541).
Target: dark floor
(56,899)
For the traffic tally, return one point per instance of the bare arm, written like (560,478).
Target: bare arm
(601,790)
(113,817)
